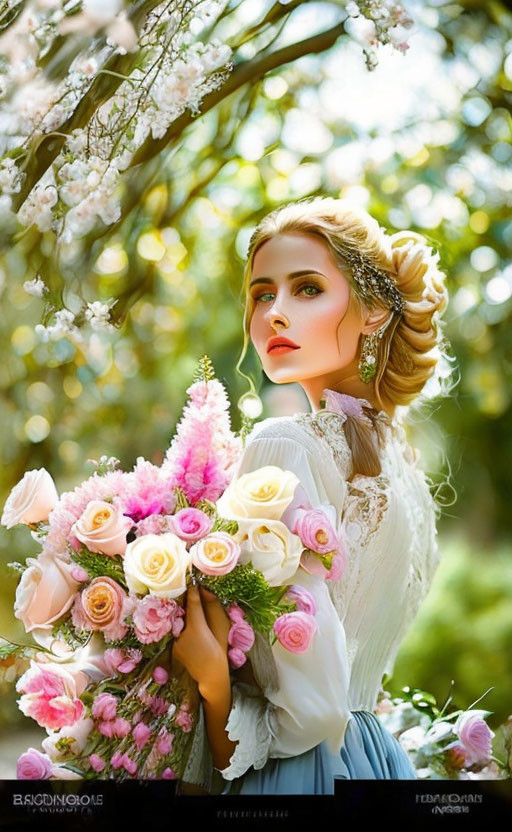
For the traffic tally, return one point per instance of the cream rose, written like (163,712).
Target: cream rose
(271,548)
(265,494)
(31,500)
(158,564)
(78,733)
(216,554)
(103,528)
(45,592)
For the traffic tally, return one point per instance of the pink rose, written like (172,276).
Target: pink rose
(190,524)
(52,713)
(302,598)
(45,592)
(216,554)
(97,762)
(103,605)
(315,531)
(122,659)
(31,500)
(475,735)
(103,528)
(241,635)
(32,765)
(141,734)
(295,631)
(237,657)
(104,706)
(155,617)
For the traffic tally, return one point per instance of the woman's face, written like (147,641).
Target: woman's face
(300,293)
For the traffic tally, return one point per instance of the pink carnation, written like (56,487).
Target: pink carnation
(155,617)
(475,736)
(295,631)
(235,612)
(122,659)
(121,727)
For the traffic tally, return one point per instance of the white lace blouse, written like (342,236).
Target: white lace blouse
(389,524)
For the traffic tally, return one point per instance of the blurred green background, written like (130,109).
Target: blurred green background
(422,141)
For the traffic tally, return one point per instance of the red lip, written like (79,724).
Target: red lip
(279,341)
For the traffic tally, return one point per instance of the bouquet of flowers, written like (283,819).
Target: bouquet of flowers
(104,599)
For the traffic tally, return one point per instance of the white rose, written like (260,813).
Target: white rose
(271,548)
(157,563)
(265,494)
(45,592)
(103,528)
(31,500)
(79,732)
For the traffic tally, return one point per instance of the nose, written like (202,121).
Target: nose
(275,315)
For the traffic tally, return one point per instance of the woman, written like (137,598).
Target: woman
(351,313)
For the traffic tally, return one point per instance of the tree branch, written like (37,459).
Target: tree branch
(248,71)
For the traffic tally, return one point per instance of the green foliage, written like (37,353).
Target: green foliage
(99,565)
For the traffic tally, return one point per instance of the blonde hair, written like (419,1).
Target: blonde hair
(411,345)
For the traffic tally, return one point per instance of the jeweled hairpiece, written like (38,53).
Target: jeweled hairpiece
(373,281)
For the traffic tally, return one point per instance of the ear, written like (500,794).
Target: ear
(375,319)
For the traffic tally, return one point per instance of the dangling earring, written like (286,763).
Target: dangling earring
(368,361)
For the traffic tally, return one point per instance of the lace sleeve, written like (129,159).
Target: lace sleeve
(304,700)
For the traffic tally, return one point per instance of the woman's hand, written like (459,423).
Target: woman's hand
(202,645)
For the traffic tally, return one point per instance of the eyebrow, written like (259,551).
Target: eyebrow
(290,276)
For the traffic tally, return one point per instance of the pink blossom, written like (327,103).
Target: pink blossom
(190,524)
(116,761)
(148,490)
(103,605)
(121,727)
(128,764)
(106,728)
(141,734)
(32,765)
(295,631)
(475,735)
(104,706)
(78,573)
(160,675)
(122,659)
(235,612)
(216,554)
(164,742)
(237,657)
(185,720)
(168,774)
(302,598)
(97,762)
(337,567)
(158,706)
(204,451)
(315,531)
(155,617)
(241,635)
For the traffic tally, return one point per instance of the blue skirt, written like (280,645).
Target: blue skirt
(369,752)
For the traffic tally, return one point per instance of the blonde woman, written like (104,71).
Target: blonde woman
(352,314)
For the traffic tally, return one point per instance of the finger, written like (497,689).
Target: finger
(218,621)
(194,611)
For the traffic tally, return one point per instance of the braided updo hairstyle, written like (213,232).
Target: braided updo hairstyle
(412,344)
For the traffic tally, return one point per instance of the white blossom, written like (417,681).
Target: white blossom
(35,287)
